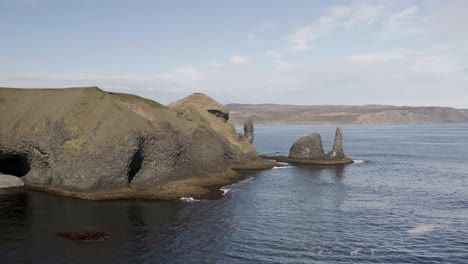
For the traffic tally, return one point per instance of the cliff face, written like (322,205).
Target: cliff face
(342,114)
(204,110)
(88,143)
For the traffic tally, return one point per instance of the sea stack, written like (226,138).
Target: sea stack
(249,130)
(337,151)
(309,150)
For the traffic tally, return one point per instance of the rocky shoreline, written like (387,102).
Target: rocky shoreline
(90,144)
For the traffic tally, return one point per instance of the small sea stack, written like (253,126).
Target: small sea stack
(249,130)
(309,150)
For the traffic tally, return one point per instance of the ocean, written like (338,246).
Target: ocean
(404,200)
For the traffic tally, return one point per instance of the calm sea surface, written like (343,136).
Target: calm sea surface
(404,201)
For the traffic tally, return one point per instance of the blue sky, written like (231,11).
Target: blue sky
(290,52)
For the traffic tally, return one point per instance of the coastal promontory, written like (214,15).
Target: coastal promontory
(92,144)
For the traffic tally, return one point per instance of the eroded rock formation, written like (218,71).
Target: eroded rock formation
(337,151)
(87,143)
(203,109)
(249,130)
(309,149)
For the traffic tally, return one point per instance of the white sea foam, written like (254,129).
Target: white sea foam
(359,161)
(355,252)
(246,180)
(225,190)
(283,167)
(189,199)
(422,229)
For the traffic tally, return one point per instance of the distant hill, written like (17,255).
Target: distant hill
(277,114)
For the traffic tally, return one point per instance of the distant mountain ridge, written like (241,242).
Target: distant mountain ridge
(278,114)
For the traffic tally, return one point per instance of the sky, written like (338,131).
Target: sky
(286,52)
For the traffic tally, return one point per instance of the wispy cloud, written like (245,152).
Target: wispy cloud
(376,57)
(337,17)
(273,54)
(186,73)
(215,64)
(237,59)
(403,24)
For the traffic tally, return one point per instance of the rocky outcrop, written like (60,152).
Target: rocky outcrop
(337,152)
(249,130)
(309,149)
(87,143)
(204,110)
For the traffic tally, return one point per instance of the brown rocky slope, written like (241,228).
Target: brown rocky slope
(273,114)
(91,144)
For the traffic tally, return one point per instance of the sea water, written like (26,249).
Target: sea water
(405,200)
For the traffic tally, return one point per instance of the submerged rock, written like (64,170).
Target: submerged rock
(91,144)
(249,130)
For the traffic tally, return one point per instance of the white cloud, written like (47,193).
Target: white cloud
(337,17)
(376,57)
(237,59)
(448,19)
(395,77)
(215,64)
(273,54)
(403,24)
(186,73)
(253,40)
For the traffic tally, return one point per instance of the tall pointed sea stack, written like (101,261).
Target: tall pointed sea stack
(249,130)
(337,151)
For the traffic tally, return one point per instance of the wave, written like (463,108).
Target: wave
(422,229)
(225,190)
(359,161)
(189,199)
(283,167)
(246,180)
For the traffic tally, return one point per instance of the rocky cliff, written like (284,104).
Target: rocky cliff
(87,143)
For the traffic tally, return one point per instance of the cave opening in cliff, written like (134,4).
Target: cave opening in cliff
(15,164)
(135,166)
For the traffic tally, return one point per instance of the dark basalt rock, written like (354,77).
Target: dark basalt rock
(307,148)
(220,114)
(337,151)
(90,144)
(249,130)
